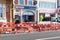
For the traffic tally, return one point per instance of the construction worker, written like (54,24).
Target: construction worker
(41,17)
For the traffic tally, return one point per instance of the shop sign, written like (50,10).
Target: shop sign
(26,7)
(35,2)
(18,6)
(56,11)
(30,7)
(49,11)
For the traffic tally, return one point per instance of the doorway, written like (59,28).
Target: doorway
(28,17)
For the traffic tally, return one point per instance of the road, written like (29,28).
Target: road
(45,35)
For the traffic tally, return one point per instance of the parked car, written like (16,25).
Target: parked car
(53,19)
(58,20)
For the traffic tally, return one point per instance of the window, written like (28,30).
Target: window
(28,17)
(47,5)
(52,15)
(53,18)
(58,2)
(29,2)
(47,17)
(0,10)
(44,17)
(21,2)
(17,10)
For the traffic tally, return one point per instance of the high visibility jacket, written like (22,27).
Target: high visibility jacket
(41,17)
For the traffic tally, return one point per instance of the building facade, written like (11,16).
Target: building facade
(24,10)
(48,9)
(5,10)
(28,10)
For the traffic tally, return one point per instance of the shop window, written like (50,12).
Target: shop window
(28,17)
(53,18)
(47,17)
(58,15)
(31,18)
(43,17)
(52,15)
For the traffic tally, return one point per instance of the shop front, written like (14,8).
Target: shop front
(28,16)
(47,16)
(26,13)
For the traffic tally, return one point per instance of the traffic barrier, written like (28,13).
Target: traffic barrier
(35,27)
(47,27)
(26,27)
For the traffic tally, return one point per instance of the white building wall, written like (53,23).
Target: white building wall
(53,1)
(46,9)
(48,0)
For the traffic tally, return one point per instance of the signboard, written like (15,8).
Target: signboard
(47,15)
(26,7)
(35,2)
(56,11)
(18,6)
(49,11)
(30,7)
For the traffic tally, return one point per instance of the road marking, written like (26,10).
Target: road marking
(49,38)
(40,39)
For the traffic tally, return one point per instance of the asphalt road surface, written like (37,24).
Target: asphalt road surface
(45,35)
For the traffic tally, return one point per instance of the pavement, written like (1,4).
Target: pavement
(44,35)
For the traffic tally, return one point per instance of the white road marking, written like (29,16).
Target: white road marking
(48,38)
(40,39)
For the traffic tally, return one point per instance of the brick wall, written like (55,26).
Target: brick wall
(25,2)
(8,10)
(16,2)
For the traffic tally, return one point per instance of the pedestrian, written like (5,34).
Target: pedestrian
(17,21)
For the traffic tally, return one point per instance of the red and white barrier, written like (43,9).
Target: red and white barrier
(26,27)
